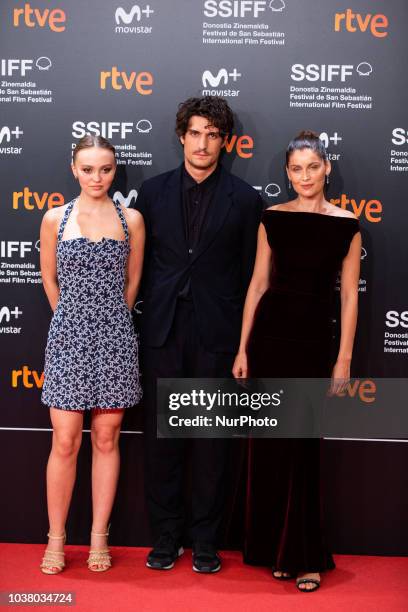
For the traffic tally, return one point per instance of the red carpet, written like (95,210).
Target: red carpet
(359,584)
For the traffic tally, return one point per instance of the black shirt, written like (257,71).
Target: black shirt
(197,199)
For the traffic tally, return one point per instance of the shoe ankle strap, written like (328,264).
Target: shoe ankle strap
(101,534)
(53,537)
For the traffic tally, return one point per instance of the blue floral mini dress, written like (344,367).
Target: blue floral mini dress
(91,358)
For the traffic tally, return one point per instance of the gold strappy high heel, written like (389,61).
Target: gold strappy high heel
(99,560)
(53,562)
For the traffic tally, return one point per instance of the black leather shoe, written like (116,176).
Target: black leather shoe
(164,554)
(205,558)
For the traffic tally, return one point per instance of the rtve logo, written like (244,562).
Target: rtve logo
(119,79)
(8,67)
(210,80)
(354,22)
(27,378)
(6,133)
(10,248)
(329,72)
(241,8)
(370,209)
(393,318)
(122,16)
(32,17)
(365,390)
(31,200)
(243,145)
(399,137)
(108,129)
(6,312)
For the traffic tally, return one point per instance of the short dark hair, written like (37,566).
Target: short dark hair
(213,108)
(89,141)
(307,139)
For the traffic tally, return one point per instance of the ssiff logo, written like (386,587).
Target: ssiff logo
(31,200)
(109,129)
(11,66)
(241,8)
(118,79)
(329,72)
(32,17)
(11,248)
(27,378)
(353,22)
(393,318)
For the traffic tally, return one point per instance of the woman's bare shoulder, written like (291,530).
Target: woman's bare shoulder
(53,216)
(284,206)
(133,217)
(335,211)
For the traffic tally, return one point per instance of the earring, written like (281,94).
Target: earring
(290,184)
(327,179)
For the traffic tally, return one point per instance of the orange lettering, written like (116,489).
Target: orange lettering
(128,81)
(104,76)
(338,18)
(379,21)
(39,380)
(55,199)
(357,21)
(367,390)
(144,80)
(41,17)
(229,144)
(245,142)
(15,375)
(363,23)
(40,200)
(16,16)
(241,143)
(57,16)
(374,207)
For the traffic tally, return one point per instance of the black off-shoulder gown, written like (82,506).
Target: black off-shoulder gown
(291,337)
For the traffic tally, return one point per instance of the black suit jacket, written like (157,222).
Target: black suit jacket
(219,269)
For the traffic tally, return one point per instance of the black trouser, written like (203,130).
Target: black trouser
(183,356)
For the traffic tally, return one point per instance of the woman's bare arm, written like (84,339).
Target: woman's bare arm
(136,227)
(257,287)
(48,255)
(350,274)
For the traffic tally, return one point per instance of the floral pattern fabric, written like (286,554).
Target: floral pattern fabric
(91,358)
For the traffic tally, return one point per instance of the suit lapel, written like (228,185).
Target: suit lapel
(173,207)
(217,212)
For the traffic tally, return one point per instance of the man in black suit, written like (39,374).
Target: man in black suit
(201,228)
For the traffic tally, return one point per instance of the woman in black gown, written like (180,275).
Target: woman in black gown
(286,332)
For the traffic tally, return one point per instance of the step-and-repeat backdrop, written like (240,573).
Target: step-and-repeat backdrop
(68,68)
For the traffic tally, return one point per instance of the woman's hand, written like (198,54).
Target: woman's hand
(240,367)
(340,377)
